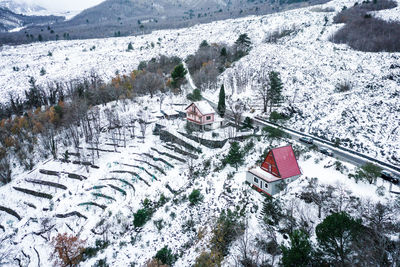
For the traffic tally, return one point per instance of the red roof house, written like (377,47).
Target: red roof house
(279,165)
(202,115)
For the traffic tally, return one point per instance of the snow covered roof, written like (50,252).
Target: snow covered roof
(203,106)
(169,112)
(260,173)
(157,114)
(285,162)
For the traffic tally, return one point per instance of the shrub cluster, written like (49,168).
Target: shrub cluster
(274,36)
(343,87)
(366,33)
(195,197)
(228,228)
(91,252)
(212,59)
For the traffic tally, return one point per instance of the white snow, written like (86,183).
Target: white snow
(118,212)
(310,67)
(389,14)
(204,107)
(309,64)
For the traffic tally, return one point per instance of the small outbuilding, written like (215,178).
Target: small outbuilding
(170,114)
(280,167)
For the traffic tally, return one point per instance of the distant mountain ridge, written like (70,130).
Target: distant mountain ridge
(114,18)
(21,8)
(10,20)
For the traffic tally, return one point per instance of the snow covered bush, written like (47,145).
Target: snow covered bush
(195,197)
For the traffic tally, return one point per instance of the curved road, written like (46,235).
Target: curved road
(341,153)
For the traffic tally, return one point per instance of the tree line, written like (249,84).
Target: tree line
(364,32)
(47,113)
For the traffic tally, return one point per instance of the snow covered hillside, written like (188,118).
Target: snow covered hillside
(21,7)
(96,186)
(97,201)
(366,118)
(389,15)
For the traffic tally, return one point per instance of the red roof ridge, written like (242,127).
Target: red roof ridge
(286,162)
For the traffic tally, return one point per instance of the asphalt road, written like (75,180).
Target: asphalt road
(338,153)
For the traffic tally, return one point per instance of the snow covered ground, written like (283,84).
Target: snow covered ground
(309,64)
(389,15)
(117,170)
(310,67)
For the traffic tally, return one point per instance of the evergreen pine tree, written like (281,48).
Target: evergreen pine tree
(272,134)
(223,53)
(336,235)
(271,211)
(221,102)
(165,256)
(195,96)
(235,156)
(141,217)
(195,197)
(243,40)
(178,74)
(276,86)
(369,172)
(130,46)
(204,44)
(34,95)
(42,72)
(247,123)
(300,251)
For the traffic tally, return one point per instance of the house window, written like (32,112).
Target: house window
(194,109)
(208,118)
(256,180)
(269,167)
(265,185)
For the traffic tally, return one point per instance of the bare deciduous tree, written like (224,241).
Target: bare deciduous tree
(5,167)
(143,121)
(207,75)
(247,256)
(149,82)
(236,108)
(73,133)
(94,115)
(6,250)
(49,139)
(263,89)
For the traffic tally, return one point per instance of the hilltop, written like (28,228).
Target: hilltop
(118,18)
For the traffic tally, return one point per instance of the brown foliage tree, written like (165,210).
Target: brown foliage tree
(155,263)
(68,250)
